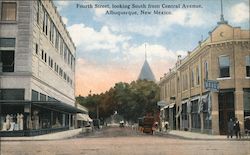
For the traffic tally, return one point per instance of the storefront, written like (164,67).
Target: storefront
(30,118)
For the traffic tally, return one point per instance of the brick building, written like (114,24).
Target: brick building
(223,59)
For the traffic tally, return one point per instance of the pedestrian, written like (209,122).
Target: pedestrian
(237,128)
(230,128)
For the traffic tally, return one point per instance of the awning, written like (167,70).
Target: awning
(54,105)
(83,117)
(57,105)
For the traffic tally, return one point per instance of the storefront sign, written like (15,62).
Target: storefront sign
(212,85)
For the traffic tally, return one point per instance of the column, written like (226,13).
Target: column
(51,119)
(215,113)
(69,120)
(202,122)
(239,107)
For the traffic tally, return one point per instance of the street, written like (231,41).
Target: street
(124,141)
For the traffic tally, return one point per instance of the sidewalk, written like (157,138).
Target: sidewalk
(197,136)
(51,136)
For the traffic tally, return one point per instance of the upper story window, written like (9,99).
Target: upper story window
(8,11)
(206,70)
(224,66)
(37,12)
(192,78)
(7,59)
(197,75)
(248,66)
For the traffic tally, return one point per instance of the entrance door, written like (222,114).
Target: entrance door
(226,110)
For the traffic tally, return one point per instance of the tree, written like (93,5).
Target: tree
(131,101)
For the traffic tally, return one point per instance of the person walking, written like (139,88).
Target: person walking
(237,128)
(230,128)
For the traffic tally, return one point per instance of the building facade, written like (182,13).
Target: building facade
(211,84)
(37,68)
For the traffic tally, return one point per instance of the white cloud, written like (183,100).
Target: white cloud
(88,39)
(190,18)
(65,20)
(159,25)
(240,13)
(62,4)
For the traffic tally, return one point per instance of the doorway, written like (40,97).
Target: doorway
(226,110)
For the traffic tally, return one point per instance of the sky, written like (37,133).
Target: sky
(111,48)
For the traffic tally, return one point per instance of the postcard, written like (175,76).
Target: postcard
(137,77)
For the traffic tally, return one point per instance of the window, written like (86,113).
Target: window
(198,75)
(57,39)
(42,55)
(224,66)
(192,78)
(60,72)
(34,96)
(45,22)
(36,48)
(196,122)
(61,45)
(247,105)
(7,59)
(7,42)
(65,76)
(52,28)
(49,61)
(42,97)
(45,57)
(38,10)
(8,11)
(248,66)
(11,94)
(206,70)
(65,53)
(55,67)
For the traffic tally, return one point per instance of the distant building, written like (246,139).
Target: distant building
(211,84)
(146,72)
(37,69)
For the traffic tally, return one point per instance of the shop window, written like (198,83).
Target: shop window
(8,11)
(11,94)
(196,122)
(34,96)
(224,66)
(246,103)
(7,59)
(248,66)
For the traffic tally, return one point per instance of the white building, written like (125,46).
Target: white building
(37,67)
